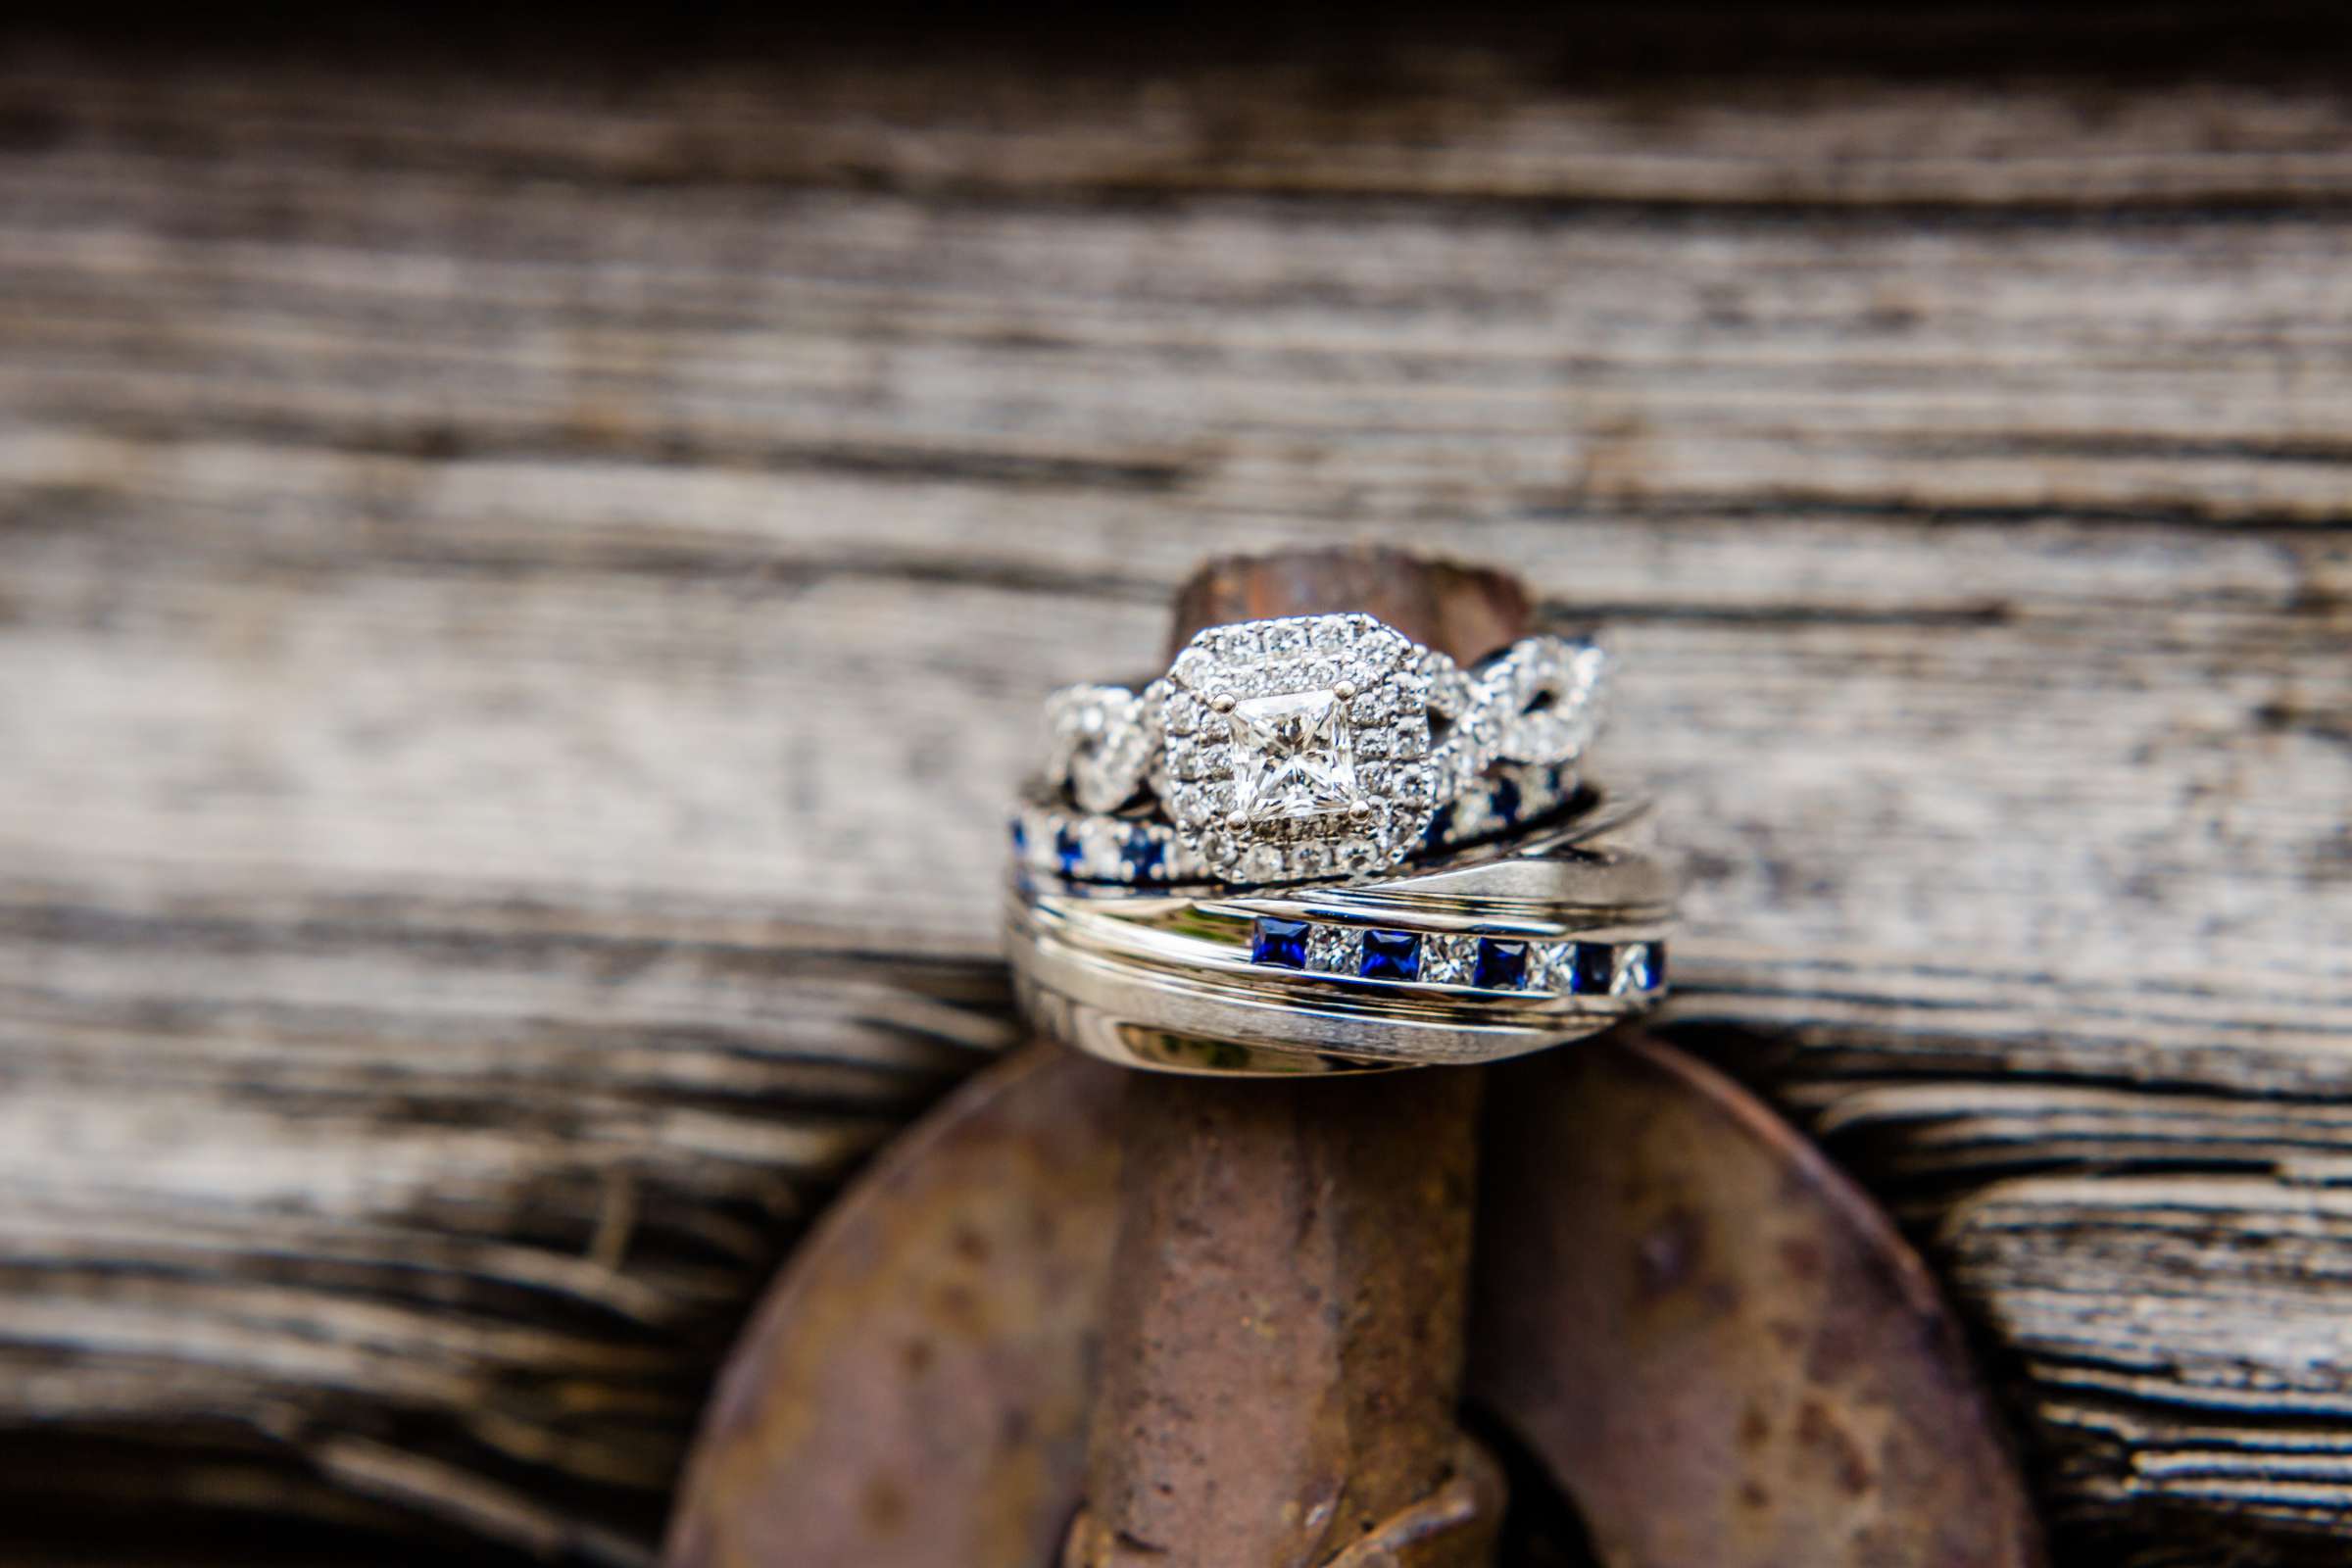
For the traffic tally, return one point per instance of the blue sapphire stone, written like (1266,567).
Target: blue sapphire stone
(1146,857)
(1590,972)
(1020,836)
(1505,801)
(1390,955)
(1501,965)
(1282,943)
(1067,850)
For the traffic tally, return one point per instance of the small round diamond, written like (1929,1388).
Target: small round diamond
(1103,859)
(1236,643)
(1472,818)
(1184,864)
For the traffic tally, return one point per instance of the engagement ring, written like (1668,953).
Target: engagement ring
(1311,747)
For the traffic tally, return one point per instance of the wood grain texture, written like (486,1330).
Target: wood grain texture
(462,517)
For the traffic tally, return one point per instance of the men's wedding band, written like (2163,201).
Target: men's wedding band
(1490,954)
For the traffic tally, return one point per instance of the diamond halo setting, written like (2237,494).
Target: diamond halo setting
(1295,747)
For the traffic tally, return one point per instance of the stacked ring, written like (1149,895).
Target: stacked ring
(1315,846)
(1488,956)
(1140,848)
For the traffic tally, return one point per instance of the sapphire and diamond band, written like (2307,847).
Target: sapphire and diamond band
(1489,964)
(1517,944)
(1050,838)
(1318,746)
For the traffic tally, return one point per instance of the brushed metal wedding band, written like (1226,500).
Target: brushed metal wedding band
(1501,951)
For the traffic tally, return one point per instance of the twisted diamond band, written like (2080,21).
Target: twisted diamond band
(1315,846)
(1137,848)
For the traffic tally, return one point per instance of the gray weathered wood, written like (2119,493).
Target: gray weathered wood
(460,524)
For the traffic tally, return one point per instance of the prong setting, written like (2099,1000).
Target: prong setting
(1304,712)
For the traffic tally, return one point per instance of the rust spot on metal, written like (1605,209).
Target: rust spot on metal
(1816,1429)
(1826,1417)
(1281,1363)
(913,1391)
(1801,1256)
(1467,611)
(1668,1252)
(1818,1408)
(884,1505)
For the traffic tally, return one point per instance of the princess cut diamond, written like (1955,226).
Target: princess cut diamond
(1295,755)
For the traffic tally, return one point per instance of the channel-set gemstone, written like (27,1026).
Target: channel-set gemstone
(1449,961)
(1491,964)
(1334,949)
(1501,965)
(1589,969)
(1280,943)
(1390,955)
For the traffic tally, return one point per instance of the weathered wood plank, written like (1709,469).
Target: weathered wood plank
(1674,103)
(458,910)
